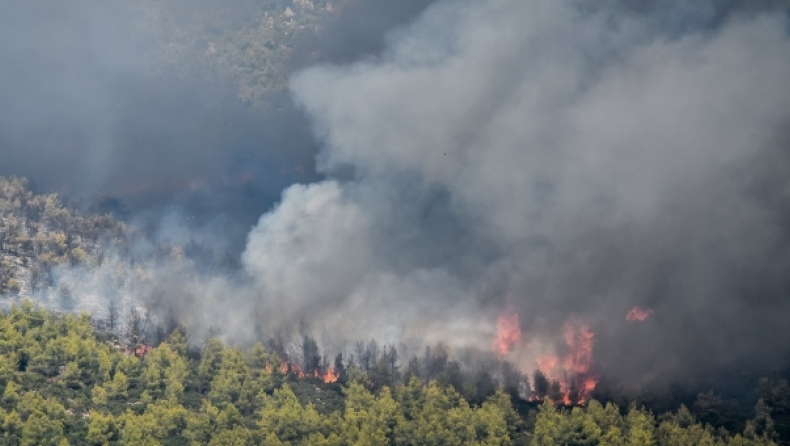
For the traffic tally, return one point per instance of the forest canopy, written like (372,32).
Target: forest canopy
(67,383)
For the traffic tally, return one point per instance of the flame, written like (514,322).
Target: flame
(330,376)
(589,385)
(286,367)
(573,372)
(547,364)
(508,331)
(638,315)
(579,338)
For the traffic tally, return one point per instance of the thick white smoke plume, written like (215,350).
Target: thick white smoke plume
(566,158)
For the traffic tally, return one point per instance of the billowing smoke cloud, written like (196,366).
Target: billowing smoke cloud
(561,158)
(129,101)
(122,106)
(88,111)
(553,157)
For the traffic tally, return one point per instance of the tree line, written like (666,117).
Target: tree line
(65,383)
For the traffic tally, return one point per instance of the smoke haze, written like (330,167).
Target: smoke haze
(569,160)
(124,105)
(457,158)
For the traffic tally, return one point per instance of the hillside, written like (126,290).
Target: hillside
(247,47)
(38,233)
(65,384)
(109,381)
(374,222)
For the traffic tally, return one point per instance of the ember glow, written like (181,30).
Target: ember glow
(508,332)
(638,314)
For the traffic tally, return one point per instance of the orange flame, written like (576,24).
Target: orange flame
(589,385)
(286,367)
(579,338)
(330,376)
(573,372)
(547,364)
(508,332)
(638,315)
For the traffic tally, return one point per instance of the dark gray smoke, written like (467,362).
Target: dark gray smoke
(566,159)
(558,157)
(119,104)
(88,112)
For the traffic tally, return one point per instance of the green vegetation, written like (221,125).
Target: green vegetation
(39,232)
(65,383)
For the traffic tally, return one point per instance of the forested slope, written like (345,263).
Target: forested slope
(64,383)
(39,232)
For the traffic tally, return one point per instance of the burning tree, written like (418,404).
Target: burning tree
(508,332)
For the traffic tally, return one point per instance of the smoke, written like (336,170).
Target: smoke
(459,158)
(568,159)
(359,30)
(123,104)
(128,106)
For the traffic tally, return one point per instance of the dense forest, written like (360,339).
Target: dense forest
(74,379)
(67,383)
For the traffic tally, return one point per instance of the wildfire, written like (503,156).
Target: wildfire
(638,315)
(579,338)
(573,372)
(547,364)
(330,376)
(327,376)
(508,332)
